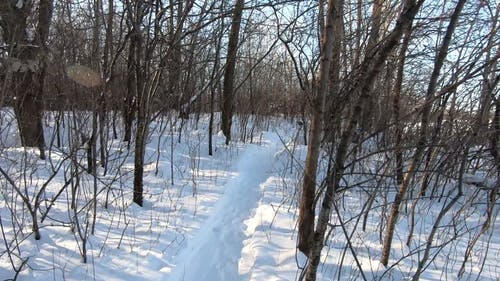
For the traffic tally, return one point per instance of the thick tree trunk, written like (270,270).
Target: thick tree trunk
(45,11)
(28,79)
(232,50)
(28,109)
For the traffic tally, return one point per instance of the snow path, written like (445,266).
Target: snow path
(213,253)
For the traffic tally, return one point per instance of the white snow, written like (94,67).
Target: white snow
(227,217)
(213,253)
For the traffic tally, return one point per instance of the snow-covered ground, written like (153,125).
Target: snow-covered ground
(231,216)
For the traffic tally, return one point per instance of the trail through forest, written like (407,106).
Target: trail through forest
(214,251)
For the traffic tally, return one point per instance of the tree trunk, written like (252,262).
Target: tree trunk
(137,73)
(369,70)
(28,79)
(174,56)
(366,123)
(28,108)
(107,75)
(141,134)
(307,204)
(96,53)
(400,195)
(232,50)
(129,101)
(215,85)
(140,147)
(333,105)
(396,105)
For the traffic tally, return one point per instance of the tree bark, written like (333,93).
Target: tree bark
(136,72)
(228,88)
(107,70)
(174,56)
(28,79)
(307,204)
(333,105)
(396,105)
(367,123)
(215,86)
(129,100)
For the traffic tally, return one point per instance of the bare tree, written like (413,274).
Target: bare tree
(307,204)
(28,64)
(232,50)
(369,69)
(443,51)
(215,82)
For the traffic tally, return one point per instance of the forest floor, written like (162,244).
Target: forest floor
(231,216)
(215,250)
